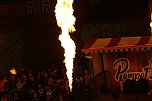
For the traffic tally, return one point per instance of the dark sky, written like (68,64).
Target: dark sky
(110,8)
(85,11)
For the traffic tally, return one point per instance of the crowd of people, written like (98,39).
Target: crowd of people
(49,84)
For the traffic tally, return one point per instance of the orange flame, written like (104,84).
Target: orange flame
(13,71)
(66,20)
(151,22)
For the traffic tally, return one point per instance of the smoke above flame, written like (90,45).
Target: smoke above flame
(66,20)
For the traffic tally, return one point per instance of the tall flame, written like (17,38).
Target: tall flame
(151,22)
(66,20)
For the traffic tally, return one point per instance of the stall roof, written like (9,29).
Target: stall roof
(118,44)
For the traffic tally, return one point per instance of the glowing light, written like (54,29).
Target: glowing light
(13,71)
(151,22)
(66,20)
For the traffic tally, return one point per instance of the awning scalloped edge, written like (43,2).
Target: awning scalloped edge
(116,49)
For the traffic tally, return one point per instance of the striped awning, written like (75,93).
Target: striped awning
(118,44)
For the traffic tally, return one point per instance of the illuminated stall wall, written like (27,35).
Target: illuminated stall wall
(97,67)
(121,59)
(131,65)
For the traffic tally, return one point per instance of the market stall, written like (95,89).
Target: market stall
(124,58)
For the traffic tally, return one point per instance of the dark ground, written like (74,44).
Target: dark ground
(122,97)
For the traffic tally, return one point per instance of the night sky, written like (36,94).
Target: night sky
(87,12)
(110,8)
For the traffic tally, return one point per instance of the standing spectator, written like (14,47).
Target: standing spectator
(39,80)
(12,83)
(19,85)
(50,83)
(45,76)
(48,94)
(1,88)
(24,82)
(32,83)
(16,97)
(86,76)
(63,88)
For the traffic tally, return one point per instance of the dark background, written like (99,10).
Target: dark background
(31,41)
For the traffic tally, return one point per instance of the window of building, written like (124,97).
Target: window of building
(3,10)
(30,8)
(46,6)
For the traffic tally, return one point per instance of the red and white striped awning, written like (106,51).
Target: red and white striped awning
(115,44)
